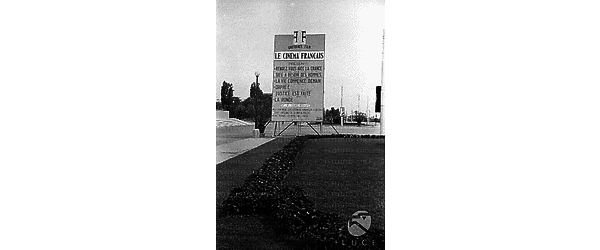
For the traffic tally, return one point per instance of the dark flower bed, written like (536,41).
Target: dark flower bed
(289,211)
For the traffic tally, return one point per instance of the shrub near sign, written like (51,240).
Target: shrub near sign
(298,77)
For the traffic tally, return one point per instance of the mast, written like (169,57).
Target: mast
(341,105)
(381,121)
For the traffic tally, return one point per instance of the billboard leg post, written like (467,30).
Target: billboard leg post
(334,128)
(285,128)
(313,128)
(321,127)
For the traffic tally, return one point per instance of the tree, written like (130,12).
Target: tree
(264,111)
(359,117)
(255,90)
(333,115)
(245,109)
(337,115)
(261,106)
(239,112)
(235,101)
(227,96)
(233,108)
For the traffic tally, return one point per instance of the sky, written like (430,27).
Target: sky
(353,39)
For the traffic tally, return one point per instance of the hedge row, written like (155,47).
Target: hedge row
(288,209)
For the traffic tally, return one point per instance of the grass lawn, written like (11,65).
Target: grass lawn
(244,232)
(343,175)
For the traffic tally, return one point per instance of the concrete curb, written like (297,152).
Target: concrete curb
(229,150)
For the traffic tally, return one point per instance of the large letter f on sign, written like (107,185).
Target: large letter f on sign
(303,37)
(296,36)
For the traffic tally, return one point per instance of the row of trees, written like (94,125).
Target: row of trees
(333,115)
(256,108)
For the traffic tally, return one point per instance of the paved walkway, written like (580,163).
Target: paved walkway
(239,231)
(229,150)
